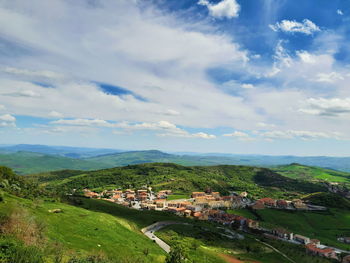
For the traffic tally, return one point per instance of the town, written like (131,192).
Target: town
(209,205)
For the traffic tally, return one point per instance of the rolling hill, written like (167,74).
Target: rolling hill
(259,182)
(310,173)
(30,162)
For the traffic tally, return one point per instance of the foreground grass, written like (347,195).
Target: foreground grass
(80,231)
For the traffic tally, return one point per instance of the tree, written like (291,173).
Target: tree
(178,254)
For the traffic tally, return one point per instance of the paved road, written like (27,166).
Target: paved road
(150,230)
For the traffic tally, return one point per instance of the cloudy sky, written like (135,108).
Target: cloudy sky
(233,76)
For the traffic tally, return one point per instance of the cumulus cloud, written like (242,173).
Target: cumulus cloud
(327,107)
(291,26)
(162,128)
(242,136)
(7,120)
(222,9)
(340,12)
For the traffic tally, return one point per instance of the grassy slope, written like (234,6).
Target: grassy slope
(310,173)
(325,226)
(257,181)
(29,162)
(81,230)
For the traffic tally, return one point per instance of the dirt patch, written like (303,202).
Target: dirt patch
(231,259)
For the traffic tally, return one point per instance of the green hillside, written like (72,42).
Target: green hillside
(259,182)
(310,173)
(30,162)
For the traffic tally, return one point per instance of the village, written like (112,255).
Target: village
(211,206)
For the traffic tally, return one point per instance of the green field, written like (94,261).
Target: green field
(310,173)
(79,231)
(325,226)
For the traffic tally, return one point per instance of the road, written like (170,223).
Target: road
(150,230)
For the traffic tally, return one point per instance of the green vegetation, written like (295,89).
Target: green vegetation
(258,182)
(204,243)
(29,162)
(325,226)
(328,200)
(176,196)
(74,232)
(310,173)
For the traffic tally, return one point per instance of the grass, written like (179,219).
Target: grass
(243,212)
(325,226)
(205,244)
(178,196)
(310,173)
(84,231)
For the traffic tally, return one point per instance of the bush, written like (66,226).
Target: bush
(12,251)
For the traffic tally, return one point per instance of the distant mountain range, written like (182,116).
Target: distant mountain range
(26,159)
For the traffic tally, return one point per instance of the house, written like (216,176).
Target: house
(282,233)
(302,239)
(315,242)
(130,197)
(258,205)
(269,202)
(243,194)
(345,240)
(252,224)
(282,204)
(215,194)
(198,194)
(160,203)
(194,208)
(299,204)
(323,252)
(346,259)
(187,213)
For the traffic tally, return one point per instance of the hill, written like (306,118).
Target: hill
(30,162)
(259,182)
(310,173)
(67,151)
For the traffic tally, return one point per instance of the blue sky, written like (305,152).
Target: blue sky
(233,76)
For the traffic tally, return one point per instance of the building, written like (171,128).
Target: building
(282,204)
(258,205)
(346,259)
(198,194)
(269,202)
(302,239)
(323,252)
(299,204)
(283,233)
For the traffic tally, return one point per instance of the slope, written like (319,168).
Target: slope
(310,173)
(259,182)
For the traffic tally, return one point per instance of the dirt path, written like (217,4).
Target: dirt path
(231,259)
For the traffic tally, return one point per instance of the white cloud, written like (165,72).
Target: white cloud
(327,107)
(340,12)
(23,93)
(222,9)
(7,120)
(32,73)
(55,114)
(329,77)
(306,56)
(291,26)
(203,135)
(242,136)
(83,122)
(247,86)
(292,134)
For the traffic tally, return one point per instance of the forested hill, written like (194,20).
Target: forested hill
(259,182)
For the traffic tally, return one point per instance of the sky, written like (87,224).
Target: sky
(230,76)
